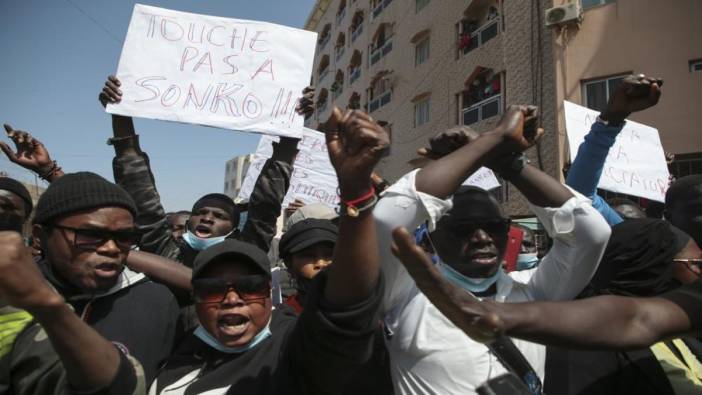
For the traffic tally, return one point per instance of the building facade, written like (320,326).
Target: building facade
(424,66)
(235,173)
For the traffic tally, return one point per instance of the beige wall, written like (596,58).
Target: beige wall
(655,37)
(443,76)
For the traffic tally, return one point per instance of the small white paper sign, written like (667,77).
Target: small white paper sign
(483,178)
(313,178)
(635,164)
(222,72)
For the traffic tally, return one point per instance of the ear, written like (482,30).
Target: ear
(39,233)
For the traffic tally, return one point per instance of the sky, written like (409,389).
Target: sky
(56,56)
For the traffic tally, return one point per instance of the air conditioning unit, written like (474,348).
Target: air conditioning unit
(571,12)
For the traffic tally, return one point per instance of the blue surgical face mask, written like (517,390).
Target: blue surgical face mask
(199,243)
(468,283)
(527,261)
(210,340)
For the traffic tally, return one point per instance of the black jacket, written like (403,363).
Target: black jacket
(133,173)
(138,315)
(314,353)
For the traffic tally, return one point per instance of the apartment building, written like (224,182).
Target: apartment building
(423,66)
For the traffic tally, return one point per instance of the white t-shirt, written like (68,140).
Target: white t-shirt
(428,354)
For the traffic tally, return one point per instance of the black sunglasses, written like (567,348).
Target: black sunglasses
(91,239)
(215,290)
(493,228)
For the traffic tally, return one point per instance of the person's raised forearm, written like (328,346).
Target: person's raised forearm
(90,361)
(442,177)
(541,189)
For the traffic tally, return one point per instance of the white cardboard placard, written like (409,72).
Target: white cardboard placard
(635,164)
(313,179)
(227,73)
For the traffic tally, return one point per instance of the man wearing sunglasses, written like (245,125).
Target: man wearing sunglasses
(242,345)
(85,225)
(469,231)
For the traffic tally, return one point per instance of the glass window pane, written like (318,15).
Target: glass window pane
(591,3)
(470,117)
(596,95)
(489,33)
(613,83)
(491,109)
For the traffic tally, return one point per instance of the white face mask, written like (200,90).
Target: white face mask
(527,261)
(199,243)
(468,283)
(211,341)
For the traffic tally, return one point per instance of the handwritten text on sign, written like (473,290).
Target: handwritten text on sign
(313,179)
(222,72)
(635,164)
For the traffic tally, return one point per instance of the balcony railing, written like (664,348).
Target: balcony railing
(377,54)
(380,7)
(323,74)
(339,52)
(355,73)
(324,41)
(482,110)
(340,16)
(380,101)
(357,32)
(483,34)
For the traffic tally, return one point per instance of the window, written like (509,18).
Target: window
(324,36)
(482,97)
(695,65)
(421,112)
(596,92)
(594,3)
(380,91)
(421,52)
(381,44)
(419,4)
(356,27)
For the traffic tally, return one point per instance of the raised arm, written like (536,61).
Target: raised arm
(442,177)
(88,362)
(603,322)
(268,193)
(132,171)
(635,93)
(355,144)
(31,154)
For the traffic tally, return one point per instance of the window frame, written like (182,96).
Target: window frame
(606,79)
(417,52)
(419,111)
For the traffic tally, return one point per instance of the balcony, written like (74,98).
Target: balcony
(324,41)
(379,53)
(380,101)
(356,32)
(482,110)
(340,16)
(339,52)
(482,35)
(323,74)
(321,107)
(379,8)
(355,74)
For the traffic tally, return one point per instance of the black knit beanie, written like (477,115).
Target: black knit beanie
(220,201)
(80,191)
(16,187)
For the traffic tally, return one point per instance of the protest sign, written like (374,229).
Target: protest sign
(228,73)
(314,178)
(635,164)
(483,178)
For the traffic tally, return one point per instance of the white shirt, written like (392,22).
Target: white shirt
(428,354)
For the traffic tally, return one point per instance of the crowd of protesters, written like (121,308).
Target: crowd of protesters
(401,289)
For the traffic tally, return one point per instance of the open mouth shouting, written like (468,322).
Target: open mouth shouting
(108,270)
(233,325)
(203,231)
